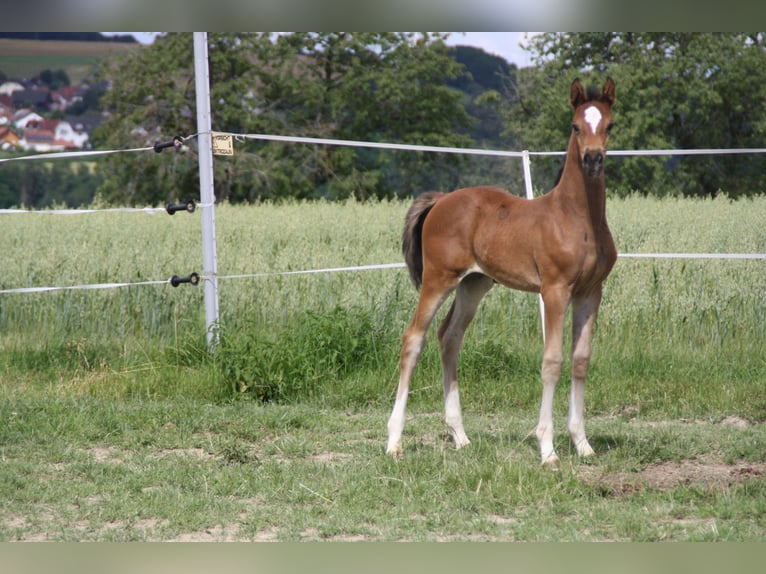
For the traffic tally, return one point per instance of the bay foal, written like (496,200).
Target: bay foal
(558,245)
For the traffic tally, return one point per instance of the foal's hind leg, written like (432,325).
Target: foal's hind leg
(413,340)
(469,294)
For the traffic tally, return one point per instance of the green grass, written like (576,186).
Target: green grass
(117,424)
(27,58)
(182,470)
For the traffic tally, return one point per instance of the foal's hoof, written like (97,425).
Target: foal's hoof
(585,451)
(395,451)
(552,463)
(461,442)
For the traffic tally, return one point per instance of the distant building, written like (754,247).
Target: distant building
(65,97)
(86,122)
(23,116)
(8,139)
(24,105)
(47,135)
(7,88)
(35,99)
(6,114)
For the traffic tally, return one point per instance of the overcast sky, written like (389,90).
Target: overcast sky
(504,44)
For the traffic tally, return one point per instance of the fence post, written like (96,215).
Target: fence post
(207,194)
(530,194)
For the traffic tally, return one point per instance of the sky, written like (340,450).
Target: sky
(504,44)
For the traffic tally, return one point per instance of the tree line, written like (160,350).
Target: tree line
(674,90)
(69,36)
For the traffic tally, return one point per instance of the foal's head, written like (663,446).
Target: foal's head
(591,124)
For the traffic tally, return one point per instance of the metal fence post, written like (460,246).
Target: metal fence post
(207,193)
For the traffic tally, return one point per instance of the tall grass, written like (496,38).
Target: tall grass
(674,337)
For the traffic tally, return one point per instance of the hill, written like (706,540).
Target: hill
(69,36)
(24,58)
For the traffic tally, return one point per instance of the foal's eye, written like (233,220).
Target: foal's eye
(576,128)
(609,128)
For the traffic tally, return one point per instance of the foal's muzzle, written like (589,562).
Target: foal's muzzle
(593,162)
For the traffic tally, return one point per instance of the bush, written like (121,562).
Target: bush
(310,351)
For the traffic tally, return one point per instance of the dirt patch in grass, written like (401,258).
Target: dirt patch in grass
(664,476)
(331,457)
(197,453)
(104,454)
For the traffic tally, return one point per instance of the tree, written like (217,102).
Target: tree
(382,86)
(54,79)
(674,90)
(488,86)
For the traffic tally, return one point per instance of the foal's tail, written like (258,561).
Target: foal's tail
(412,244)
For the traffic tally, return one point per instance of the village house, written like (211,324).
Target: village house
(7,88)
(23,117)
(8,139)
(23,107)
(65,97)
(37,99)
(47,135)
(41,140)
(6,114)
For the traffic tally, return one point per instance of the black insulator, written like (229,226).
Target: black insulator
(175,280)
(176,142)
(188,206)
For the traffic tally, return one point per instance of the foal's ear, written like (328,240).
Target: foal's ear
(577,93)
(607,93)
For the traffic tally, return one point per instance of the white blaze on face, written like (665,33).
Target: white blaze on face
(592,118)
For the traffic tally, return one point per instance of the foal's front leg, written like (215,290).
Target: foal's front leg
(556,302)
(584,312)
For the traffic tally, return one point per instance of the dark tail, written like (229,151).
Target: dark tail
(412,244)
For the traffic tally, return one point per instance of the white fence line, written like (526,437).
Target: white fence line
(73,154)
(93,286)
(725,256)
(148,210)
(488,152)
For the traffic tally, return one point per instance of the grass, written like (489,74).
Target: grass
(182,470)
(27,58)
(119,425)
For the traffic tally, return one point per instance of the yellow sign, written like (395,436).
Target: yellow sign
(222,144)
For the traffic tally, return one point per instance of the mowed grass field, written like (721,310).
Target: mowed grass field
(118,424)
(27,58)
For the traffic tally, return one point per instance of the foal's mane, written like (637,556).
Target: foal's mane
(593,93)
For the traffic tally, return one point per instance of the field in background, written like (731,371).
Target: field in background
(122,426)
(667,322)
(27,58)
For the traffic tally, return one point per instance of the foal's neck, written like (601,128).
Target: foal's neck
(587,194)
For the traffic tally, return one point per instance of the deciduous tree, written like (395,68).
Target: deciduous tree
(674,90)
(373,86)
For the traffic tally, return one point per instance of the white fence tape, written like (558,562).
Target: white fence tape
(742,256)
(149,210)
(694,255)
(489,152)
(72,154)
(81,287)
